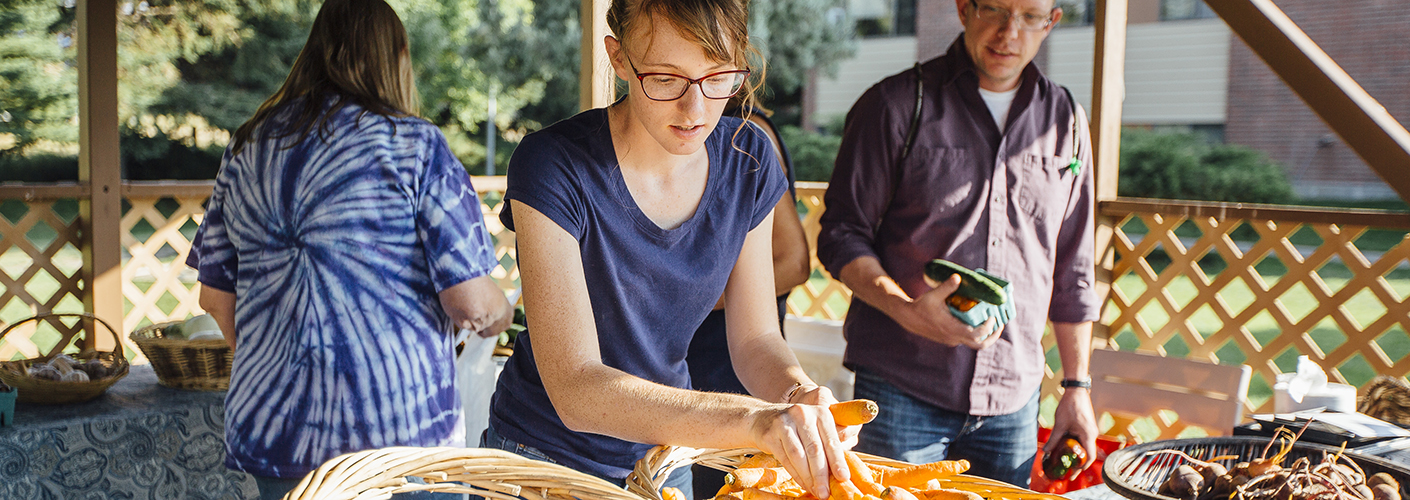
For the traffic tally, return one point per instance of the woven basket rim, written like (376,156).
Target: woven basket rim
(501,475)
(184,364)
(15,373)
(490,473)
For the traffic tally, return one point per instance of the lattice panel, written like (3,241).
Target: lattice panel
(821,296)
(42,268)
(1271,301)
(156,283)
(491,203)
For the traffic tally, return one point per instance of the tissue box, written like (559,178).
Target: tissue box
(1333,397)
(7,406)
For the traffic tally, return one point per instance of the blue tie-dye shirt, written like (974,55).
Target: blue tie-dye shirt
(335,250)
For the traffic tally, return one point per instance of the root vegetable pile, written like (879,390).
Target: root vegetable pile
(1334,477)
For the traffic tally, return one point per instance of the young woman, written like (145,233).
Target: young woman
(631,223)
(342,246)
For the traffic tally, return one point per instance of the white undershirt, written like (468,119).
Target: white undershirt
(999,103)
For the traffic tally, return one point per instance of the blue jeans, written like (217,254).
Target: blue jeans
(999,447)
(680,479)
(274,488)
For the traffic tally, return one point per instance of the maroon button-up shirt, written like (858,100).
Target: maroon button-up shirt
(1005,202)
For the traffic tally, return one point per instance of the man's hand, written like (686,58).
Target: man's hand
(478,305)
(1074,417)
(929,316)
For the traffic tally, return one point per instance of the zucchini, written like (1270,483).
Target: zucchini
(977,285)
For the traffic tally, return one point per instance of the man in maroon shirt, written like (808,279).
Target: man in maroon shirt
(990,183)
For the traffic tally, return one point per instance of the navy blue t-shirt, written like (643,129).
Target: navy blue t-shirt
(649,287)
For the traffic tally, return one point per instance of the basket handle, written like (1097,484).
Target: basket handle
(111,331)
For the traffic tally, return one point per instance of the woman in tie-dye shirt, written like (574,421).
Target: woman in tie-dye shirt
(342,246)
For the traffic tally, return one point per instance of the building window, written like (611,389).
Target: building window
(884,18)
(1175,10)
(1077,12)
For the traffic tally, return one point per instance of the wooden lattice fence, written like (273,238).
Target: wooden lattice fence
(1222,283)
(1261,286)
(42,264)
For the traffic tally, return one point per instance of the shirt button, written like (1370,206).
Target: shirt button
(994,243)
(997,199)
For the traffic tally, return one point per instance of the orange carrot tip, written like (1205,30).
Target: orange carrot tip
(854,412)
(669,493)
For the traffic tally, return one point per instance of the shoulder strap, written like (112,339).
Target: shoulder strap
(1075,165)
(915,117)
(910,140)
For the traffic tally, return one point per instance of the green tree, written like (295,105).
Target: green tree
(1187,167)
(798,36)
(38,84)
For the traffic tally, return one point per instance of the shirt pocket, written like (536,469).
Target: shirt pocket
(1044,186)
(942,177)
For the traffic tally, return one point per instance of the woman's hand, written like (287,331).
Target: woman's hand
(804,439)
(817,395)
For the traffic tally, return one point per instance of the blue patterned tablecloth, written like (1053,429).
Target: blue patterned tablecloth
(138,440)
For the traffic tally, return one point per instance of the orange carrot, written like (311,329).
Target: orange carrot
(897,493)
(755,477)
(854,412)
(838,490)
(758,494)
(862,476)
(787,487)
(724,490)
(669,493)
(916,475)
(759,460)
(949,494)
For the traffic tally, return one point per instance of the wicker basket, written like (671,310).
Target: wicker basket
(488,473)
(41,391)
(1386,398)
(200,365)
(505,476)
(652,471)
(1133,472)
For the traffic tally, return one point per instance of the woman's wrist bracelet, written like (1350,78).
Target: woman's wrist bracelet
(793,391)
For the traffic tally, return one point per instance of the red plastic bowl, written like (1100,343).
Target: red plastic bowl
(1090,477)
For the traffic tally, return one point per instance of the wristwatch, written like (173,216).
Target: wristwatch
(1084,383)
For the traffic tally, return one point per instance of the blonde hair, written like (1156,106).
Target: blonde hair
(719,27)
(357,53)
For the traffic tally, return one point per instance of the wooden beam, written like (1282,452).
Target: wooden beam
(1108,92)
(1386,219)
(595,73)
(100,165)
(1328,90)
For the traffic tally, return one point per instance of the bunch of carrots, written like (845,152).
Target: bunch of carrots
(762,477)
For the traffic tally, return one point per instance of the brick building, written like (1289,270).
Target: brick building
(1185,71)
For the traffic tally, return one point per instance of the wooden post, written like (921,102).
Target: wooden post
(99,164)
(595,74)
(1328,90)
(1108,90)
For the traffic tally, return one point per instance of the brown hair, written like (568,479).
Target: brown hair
(357,53)
(717,26)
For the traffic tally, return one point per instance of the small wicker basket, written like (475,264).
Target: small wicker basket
(199,365)
(505,476)
(41,391)
(485,472)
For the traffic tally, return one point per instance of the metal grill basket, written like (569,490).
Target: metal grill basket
(1132,473)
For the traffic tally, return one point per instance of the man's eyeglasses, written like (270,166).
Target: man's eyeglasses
(669,86)
(998,16)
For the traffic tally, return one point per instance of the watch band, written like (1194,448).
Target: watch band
(1084,383)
